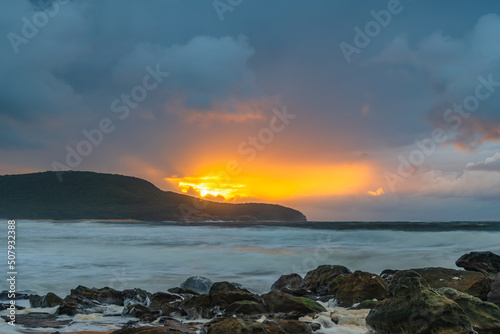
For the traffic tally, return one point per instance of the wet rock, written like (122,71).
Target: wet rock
(292,281)
(72,305)
(484,317)
(176,327)
(197,283)
(161,298)
(49,300)
(105,295)
(136,296)
(487,263)
(236,326)
(7,305)
(319,279)
(299,292)
(40,320)
(181,291)
(147,330)
(494,294)
(140,311)
(473,283)
(414,308)
(166,303)
(131,324)
(245,307)
(366,305)
(359,286)
(227,287)
(289,327)
(219,298)
(388,274)
(4,295)
(279,302)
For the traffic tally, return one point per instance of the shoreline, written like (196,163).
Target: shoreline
(326,297)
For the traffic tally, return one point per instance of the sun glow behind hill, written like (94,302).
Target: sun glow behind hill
(275,182)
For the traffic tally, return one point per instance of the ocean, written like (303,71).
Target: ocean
(58,256)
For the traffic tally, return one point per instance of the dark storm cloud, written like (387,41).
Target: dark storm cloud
(464,73)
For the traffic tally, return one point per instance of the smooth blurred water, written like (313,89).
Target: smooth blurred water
(58,256)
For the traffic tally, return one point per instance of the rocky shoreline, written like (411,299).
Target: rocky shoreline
(415,301)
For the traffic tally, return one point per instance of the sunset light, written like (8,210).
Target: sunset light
(266,182)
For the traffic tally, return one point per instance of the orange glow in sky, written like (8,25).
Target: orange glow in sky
(274,182)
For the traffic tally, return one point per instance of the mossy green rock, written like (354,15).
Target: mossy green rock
(247,326)
(414,308)
(484,317)
(350,289)
(279,302)
(245,307)
(471,282)
(367,305)
(105,295)
(208,305)
(148,330)
(49,300)
(236,326)
(319,279)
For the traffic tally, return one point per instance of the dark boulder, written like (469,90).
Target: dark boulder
(4,295)
(150,330)
(235,326)
(227,287)
(72,305)
(484,317)
(247,326)
(471,282)
(245,307)
(414,308)
(197,283)
(279,302)
(359,286)
(183,292)
(292,281)
(494,294)
(319,279)
(220,297)
(105,295)
(49,300)
(136,296)
(139,311)
(487,263)
(39,320)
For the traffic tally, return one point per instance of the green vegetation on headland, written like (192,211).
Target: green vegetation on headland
(89,195)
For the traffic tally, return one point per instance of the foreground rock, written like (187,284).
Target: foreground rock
(357,287)
(319,279)
(246,326)
(487,263)
(292,281)
(470,282)
(105,295)
(73,305)
(484,317)
(49,300)
(40,320)
(220,297)
(414,308)
(293,307)
(494,294)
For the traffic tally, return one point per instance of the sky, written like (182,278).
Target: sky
(345,110)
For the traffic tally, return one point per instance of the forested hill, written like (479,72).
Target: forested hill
(89,195)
